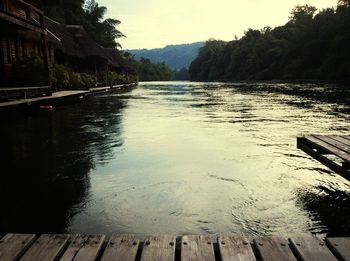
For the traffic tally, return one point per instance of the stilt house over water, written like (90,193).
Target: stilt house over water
(25,30)
(22,33)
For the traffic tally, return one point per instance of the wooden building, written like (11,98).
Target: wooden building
(81,54)
(25,30)
(22,32)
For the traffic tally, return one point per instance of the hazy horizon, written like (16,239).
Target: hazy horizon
(157,23)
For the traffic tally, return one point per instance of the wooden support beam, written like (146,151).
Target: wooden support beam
(22,22)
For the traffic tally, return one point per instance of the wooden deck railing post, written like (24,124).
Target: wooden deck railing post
(28,13)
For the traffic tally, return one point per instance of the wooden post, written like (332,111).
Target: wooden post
(45,52)
(2,62)
(28,13)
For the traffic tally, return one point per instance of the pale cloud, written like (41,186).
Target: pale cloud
(156,23)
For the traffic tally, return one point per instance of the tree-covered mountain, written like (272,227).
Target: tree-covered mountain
(176,56)
(311,45)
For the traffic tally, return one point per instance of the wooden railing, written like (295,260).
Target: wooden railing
(22,9)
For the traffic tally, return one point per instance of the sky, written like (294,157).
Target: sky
(157,23)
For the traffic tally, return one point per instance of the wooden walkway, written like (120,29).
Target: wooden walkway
(61,95)
(28,247)
(332,151)
(24,92)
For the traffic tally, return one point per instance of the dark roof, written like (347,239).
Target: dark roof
(68,44)
(86,44)
(75,41)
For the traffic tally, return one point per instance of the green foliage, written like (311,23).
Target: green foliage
(75,80)
(89,14)
(182,75)
(308,46)
(148,71)
(120,78)
(60,76)
(29,71)
(88,80)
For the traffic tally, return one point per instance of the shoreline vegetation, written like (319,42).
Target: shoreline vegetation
(313,46)
(91,15)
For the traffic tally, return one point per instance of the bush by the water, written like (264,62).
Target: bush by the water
(62,78)
(29,71)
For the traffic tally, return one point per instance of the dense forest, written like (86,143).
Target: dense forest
(311,45)
(148,71)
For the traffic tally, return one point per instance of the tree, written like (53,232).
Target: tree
(103,31)
(302,13)
(308,46)
(344,2)
(89,14)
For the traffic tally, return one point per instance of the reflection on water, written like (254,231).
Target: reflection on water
(329,208)
(46,160)
(181,158)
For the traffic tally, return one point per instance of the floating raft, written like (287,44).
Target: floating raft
(332,151)
(128,247)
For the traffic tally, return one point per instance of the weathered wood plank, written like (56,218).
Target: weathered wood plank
(159,248)
(195,248)
(340,247)
(328,147)
(346,137)
(304,145)
(341,139)
(121,248)
(235,248)
(311,248)
(46,248)
(84,248)
(12,246)
(274,248)
(337,144)
(21,22)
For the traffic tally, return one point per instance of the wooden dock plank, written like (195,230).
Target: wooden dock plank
(346,137)
(235,248)
(46,248)
(83,247)
(159,248)
(341,139)
(194,248)
(121,248)
(328,147)
(304,144)
(340,247)
(274,248)
(311,248)
(339,145)
(12,246)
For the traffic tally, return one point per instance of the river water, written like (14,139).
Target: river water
(177,158)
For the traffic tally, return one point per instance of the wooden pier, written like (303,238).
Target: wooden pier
(57,96)
(332,151)
(29,247)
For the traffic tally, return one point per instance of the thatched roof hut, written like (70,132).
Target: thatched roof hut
(78,50)
(75,41)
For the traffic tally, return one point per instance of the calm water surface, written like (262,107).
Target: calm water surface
(178,158)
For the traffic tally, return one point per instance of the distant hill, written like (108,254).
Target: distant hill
(175,56)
